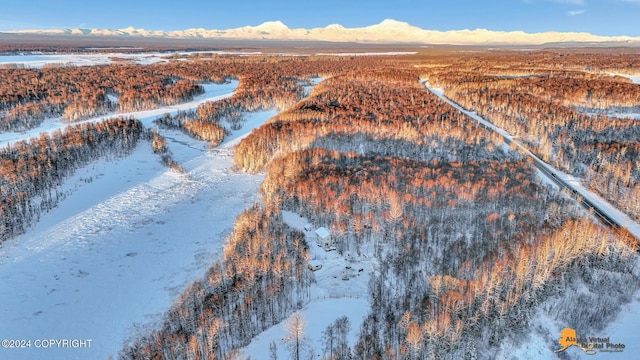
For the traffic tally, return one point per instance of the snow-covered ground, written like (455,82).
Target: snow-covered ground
(623,330)
(634,78)
(382,53)
(318,314)
(213,92)
(341,289)
(88,59)
(542,343)
(82,59)
(125,242)
(621,115)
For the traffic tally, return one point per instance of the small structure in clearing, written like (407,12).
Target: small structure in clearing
(315,265)
(323,238)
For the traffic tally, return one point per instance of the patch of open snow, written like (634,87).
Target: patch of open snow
(88,59)
(625,329)
(335,267)
(620,115)
(634,78)
(318,314)
(383,53)
(37,60)
(542,341)
(251,122)
(97,263)
(628,115)
(535,345)
(112,98)
(26,59)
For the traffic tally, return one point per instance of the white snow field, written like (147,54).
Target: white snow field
(634,78)
(381,53)
(40,60)
(616,114)
(124,243)
(318,314)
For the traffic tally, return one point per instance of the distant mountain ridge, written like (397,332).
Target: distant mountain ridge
(388,31)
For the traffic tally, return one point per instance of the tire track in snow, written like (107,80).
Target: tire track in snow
(120,213)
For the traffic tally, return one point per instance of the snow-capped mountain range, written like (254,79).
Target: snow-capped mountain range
(388,31)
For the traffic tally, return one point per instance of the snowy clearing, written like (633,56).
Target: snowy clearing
(625,329)
(387,53)
(341,289)
(38,60)
(620,115)
(318,314)
(330,280)
(88,59)
(125,242)
(634,78)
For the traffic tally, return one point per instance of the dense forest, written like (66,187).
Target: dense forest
(550,110)
(467,239)
(28,96)
(355,107)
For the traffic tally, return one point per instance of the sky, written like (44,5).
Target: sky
(599,17)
